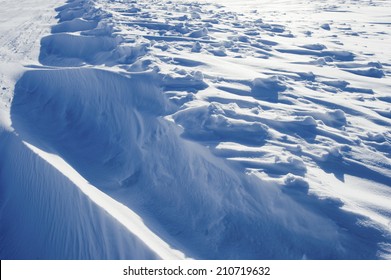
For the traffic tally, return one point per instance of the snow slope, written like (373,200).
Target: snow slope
(197,129)
(48,211)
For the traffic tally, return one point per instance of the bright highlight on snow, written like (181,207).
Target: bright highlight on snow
(195,129)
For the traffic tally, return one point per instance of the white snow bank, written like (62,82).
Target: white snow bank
(45,215)
(273,119)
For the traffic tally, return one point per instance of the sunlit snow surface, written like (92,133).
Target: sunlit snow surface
(206,130)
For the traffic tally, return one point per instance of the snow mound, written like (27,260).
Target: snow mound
(178,129)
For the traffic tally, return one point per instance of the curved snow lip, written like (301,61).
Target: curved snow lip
(130,220)
(90,117)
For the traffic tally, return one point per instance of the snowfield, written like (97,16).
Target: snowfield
(212,129)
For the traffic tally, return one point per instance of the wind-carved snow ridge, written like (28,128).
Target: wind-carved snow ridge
(61,215)
(179,129)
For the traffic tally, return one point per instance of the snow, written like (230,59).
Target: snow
(205,130)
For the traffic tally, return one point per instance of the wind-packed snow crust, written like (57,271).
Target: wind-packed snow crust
(186,129)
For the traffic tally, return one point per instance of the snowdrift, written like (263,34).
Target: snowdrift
(143,139)
(148,167)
